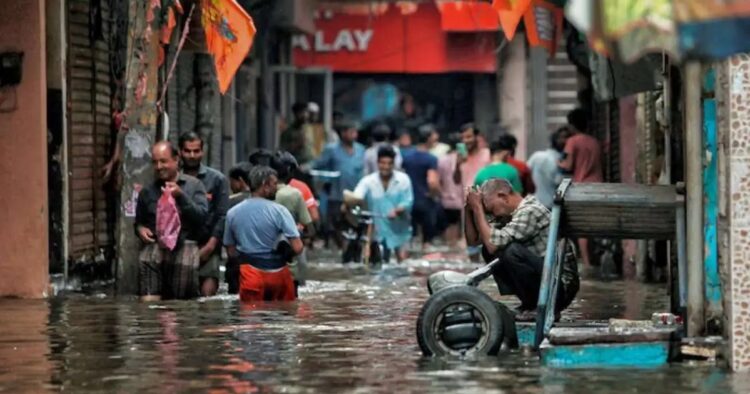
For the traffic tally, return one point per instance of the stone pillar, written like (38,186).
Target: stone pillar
(733,105)
(24,261)
(513,92)
(142,90)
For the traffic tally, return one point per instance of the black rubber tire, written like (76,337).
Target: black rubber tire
(460,321)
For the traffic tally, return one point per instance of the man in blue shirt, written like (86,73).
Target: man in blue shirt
(389,195)
(252,233)
(421,166)
(348,158)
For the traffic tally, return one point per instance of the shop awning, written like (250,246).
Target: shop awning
(686,29)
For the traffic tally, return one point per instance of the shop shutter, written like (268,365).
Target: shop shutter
(89,128)
(605,126)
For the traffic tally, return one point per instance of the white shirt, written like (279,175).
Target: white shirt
(399,194)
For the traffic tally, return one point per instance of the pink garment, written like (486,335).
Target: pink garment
(451,193)
(167,221)
(475,162)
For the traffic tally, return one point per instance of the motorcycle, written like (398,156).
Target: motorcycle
(361,245)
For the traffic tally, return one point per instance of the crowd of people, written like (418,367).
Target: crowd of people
(259,219)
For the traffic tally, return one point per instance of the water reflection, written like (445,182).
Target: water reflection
(353,331)
(24,345)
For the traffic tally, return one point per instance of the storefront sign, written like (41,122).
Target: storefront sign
(347,39)
(395,39)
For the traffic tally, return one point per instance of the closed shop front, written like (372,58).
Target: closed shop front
(91,229)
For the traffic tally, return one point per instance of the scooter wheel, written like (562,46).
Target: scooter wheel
(460,321)
(444,279)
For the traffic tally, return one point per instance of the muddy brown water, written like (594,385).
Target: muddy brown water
(351,331)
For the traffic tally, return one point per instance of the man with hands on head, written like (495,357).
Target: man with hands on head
(514,229)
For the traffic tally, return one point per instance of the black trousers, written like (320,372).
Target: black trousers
(232,276)
(424,215)
(520,270)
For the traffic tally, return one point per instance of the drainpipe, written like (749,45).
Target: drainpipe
(694,197)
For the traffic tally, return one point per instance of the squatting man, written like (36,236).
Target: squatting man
(514,229)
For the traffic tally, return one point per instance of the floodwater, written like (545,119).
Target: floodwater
(352,331)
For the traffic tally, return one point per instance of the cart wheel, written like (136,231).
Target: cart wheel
(460,321)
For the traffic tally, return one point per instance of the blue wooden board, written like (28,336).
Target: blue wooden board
(631,355)
(711,210)
(525,333)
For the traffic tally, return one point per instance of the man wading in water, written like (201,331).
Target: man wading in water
(252,233)
(217,193)
(239,182)
(163,272)
(516,233)
(389,195)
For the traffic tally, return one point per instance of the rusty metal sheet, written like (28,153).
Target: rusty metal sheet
(622,211)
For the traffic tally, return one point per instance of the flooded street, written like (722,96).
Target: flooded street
(351,331)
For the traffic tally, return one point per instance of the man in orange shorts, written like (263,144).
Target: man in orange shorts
(251,236)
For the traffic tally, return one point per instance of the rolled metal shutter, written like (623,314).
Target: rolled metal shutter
(89,128)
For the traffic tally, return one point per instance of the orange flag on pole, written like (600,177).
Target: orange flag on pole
(500,5)
(510,13)
(229,37)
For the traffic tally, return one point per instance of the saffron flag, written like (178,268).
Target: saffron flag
(510,13)
(229,36)
(500,5)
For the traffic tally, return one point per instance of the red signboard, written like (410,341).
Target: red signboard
(394,40)
(468,16)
